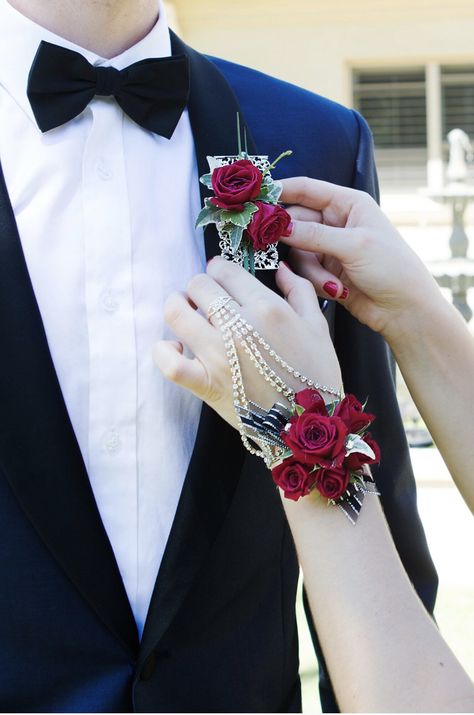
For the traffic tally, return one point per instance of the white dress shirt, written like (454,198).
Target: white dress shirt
(106,211)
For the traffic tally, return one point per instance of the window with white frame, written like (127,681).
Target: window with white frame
(394,102)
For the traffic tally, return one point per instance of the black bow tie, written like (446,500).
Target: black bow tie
(152,92)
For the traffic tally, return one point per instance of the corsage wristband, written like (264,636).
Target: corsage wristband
(308,445)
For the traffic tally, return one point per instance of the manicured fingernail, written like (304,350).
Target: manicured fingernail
(289,230)
(331,288)
(286,266)
(345,293)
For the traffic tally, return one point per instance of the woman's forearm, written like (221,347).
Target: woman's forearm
(383,651)
(435,352)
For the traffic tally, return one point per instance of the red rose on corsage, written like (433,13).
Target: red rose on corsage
(236,184)
(327,447)
(316,439)
(268,225)
(351,412)
(333,481)
(294,478)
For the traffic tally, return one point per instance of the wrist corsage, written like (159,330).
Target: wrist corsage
(327,448)
(309,445)
(245,208)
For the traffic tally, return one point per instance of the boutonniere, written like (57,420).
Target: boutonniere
(245,207)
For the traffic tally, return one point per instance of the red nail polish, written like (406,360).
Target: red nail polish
(289,230)
(331,288)
(286,265)
(345,293)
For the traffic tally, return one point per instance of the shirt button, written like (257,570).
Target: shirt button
(103,172)
(109,301)
(112,441)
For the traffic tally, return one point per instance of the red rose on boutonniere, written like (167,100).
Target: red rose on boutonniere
(351,412)
(268,225)
(293,478)
(236,184)
(311,400)
(356,460)
(332,482)
(316,439)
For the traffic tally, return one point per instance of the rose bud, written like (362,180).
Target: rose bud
(293,478)
(268,225)
(311,400)
(351,413)
(236,184)
(332,482)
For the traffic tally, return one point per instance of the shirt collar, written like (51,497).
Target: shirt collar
(20,38)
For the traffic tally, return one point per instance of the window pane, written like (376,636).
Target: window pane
(394,104)
(458,98)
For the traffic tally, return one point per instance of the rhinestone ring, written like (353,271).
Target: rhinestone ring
(217,305)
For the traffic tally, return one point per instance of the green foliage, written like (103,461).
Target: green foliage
(206,180)
(209,214)
(241,218)
(271,190)
(236,233)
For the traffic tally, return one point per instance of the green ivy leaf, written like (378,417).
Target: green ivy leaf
(271,191)
(206,180)
(275,191)
(209,214)
(235,233)
(240,218)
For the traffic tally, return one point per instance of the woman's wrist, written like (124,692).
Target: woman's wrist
(416,318)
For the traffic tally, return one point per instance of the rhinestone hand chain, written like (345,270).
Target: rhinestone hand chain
(249,415)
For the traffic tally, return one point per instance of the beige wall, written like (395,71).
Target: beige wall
(315,44)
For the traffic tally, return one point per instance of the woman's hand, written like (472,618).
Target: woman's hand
(294,327)
(341,236)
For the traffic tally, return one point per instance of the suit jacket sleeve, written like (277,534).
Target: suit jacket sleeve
(368,370)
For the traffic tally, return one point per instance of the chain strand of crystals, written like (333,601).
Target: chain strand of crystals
(248,335)
(232,324)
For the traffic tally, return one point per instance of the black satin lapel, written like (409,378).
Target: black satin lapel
(218,455)
(213,109)
(39,453)
(208,490)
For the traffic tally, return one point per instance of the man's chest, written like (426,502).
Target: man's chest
(105,214)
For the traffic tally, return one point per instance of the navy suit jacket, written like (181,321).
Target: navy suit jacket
(221,632)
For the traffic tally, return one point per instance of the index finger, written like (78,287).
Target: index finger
(320,196)
(239,283)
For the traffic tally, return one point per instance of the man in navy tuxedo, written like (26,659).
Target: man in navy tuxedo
(112,599)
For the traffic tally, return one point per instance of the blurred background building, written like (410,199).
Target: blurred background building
(408,67)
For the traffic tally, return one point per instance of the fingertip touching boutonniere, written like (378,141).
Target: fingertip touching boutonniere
(245,207)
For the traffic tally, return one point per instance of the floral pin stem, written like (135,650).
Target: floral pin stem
(239,135)
(283,155)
